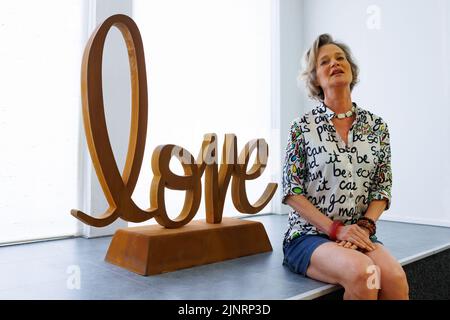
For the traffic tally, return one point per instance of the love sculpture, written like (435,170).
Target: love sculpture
(173,244)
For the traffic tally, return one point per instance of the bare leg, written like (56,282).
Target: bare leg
(394,285)
(334,264)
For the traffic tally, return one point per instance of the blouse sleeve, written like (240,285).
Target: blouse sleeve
(294,169)
(382,184)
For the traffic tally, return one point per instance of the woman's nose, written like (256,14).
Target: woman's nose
(334,63)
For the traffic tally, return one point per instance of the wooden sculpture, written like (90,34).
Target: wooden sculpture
(174,244)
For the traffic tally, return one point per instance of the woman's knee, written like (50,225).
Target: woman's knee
(357,269)
(396,278)
(361,277)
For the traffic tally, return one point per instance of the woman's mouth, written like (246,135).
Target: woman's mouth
(337,72)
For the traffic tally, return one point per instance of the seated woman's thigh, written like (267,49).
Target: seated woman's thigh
(334,264)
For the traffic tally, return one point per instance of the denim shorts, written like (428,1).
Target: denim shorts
(298,252)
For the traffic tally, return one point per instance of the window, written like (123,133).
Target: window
(40,58)
(208,70)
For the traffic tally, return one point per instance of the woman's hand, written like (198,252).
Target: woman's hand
(346,244)
(355,235)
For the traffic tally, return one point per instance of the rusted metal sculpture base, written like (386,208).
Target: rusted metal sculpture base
(154,249)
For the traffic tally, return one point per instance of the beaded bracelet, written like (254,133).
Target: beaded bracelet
(367,226)
(367,219)
(367,223)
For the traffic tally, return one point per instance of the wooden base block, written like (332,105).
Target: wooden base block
(154,249)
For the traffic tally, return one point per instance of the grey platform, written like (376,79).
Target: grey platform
(45,270)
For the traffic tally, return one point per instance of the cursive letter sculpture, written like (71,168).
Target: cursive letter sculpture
(149,250)
(118,188)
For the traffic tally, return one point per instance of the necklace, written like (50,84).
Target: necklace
(347,114)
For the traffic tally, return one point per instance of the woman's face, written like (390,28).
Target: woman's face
(332,68)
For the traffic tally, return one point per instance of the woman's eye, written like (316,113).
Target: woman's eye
(340,58)
(323,62)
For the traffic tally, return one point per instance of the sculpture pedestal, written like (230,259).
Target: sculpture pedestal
(154,249)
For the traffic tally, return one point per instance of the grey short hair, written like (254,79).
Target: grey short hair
(308,72)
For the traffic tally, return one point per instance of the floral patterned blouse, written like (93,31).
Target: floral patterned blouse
(340,180)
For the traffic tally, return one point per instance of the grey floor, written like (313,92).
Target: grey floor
(45,270)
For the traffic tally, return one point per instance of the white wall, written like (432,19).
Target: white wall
(291,106)
(402,48)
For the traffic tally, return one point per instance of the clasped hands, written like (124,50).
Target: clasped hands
(354,237)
